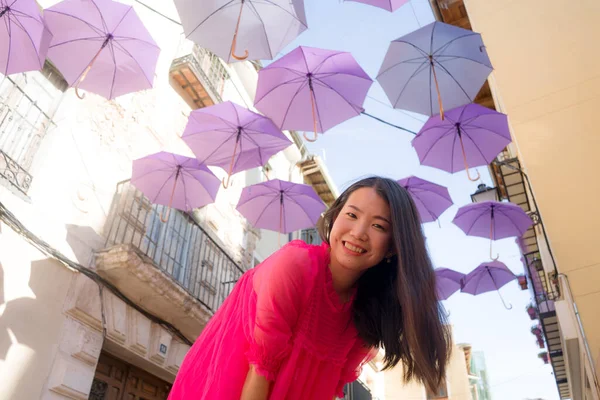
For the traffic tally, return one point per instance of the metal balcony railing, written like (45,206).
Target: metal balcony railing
(357,391)
(180,248)
(23,125)
(311,236)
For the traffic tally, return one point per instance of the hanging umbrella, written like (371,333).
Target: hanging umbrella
(469,136)
(389,5)
(431,199)
(233,137)
(438,62)
(311,88)
(101,46)
(448,282)
(174,181)
(280,206)
(261,27)
(488,277)
(492,219)
(24,37)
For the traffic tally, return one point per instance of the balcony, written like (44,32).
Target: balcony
(174,270)
(199,76)
(357,391)
(23,124)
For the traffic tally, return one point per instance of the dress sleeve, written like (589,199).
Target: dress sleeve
(358,356)
(282,284)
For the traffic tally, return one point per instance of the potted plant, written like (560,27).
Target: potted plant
(544,356)
(540,342)
(531,310)
(522,279)
(536,330)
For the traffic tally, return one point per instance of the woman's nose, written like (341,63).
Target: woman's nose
(359,231)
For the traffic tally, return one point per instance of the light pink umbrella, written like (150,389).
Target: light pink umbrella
(101,46)
(389,5)
(24,37)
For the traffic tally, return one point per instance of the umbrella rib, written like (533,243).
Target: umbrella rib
(330,74)
(292,100)
(204,160)
(477,219)
(501,211)
(415,73)
(286,11)
(121,20)
(9,29)
(162,187)
(431,39)
(474,144)
(461,57)
(434,143)
(425,54)
(122,48)
(264,29)
(323,61)
(265,208)
(453,78)
(336,92)
(409,61)
(431,213)
(483,129)
(292,199)
(119,38)
(101,16)
(92,27)
(210,16)
(275,87)
(95,38)
(114,77)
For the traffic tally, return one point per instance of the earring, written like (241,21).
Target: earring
(388,260)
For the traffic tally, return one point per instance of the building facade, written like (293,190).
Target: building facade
(99,298)
(546,82)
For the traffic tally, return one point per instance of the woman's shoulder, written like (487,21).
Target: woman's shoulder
(296,259)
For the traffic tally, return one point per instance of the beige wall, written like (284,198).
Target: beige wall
(547,79)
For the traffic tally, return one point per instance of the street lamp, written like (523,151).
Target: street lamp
(485,193)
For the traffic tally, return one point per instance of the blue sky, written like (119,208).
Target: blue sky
(363,146)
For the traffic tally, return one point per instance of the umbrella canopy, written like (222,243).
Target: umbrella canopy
(389,5)
(430,198)
(468,136)
(175,181)
(258,27)
(233,137)
(492,219)
(101,46)
(24,38)
(448,282)
(487,277)
(436,66)
(312,89)
(280,206)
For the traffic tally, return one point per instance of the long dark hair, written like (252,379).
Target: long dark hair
(396,305)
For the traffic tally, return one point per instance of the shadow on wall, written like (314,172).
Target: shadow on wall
(84,240)
(30,329)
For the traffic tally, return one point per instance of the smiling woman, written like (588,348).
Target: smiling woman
(301,324)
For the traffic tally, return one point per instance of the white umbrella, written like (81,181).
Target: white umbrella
(260,28)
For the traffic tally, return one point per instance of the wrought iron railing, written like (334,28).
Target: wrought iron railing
(311,236)
(180,247)
(357,391)
(23,125)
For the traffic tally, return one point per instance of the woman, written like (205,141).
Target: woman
(301,324)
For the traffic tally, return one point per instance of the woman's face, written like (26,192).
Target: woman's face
(361,234)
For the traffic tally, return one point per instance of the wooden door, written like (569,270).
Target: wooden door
(117,380)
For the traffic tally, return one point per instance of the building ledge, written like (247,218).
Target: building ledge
(136,276)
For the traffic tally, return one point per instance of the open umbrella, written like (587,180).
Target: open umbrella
(101,46)
(175,181)
(389,5)
(261,27)
(448,282)
(280,206)
(438,62)
(488,277)
(233,137)
(24,38)
(470,135)
(311,88)
(492,219)
(430,198)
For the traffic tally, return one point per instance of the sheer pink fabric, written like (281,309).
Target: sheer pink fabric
(284,317)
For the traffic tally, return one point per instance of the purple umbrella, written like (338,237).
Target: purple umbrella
(311,88)
(431,199)
(470,135)
(389,5)
(438,61)
(492,219)
(101,46)
(488,277)
(280,206)
(229,135)
(448,282)
(24,38)
(175,181)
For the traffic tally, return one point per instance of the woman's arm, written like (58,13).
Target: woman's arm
(256,386)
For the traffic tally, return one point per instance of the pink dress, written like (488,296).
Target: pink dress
(284,317)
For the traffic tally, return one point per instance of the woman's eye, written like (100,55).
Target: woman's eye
(377,226)
(351,215)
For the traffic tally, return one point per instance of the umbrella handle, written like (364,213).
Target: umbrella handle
(491,241)
(314,115)
(226,185)
(491,254)
(164,218)
(234,41)
(509,307)
(87,69)
(462,146)
(437,88)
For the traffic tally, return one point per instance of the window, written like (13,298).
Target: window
(27,105)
